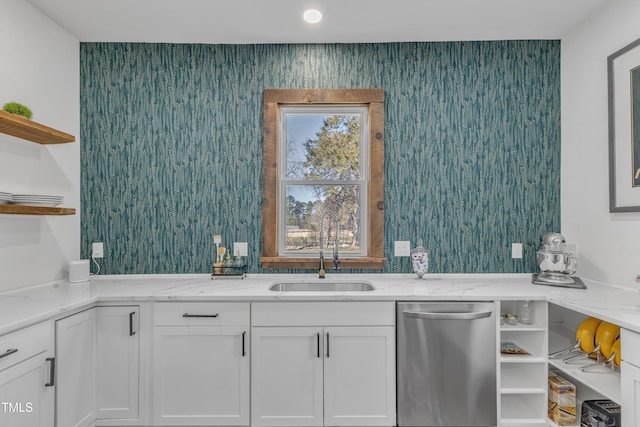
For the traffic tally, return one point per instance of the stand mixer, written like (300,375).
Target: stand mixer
(557,261)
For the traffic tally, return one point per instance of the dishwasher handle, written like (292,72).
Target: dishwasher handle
(468,315)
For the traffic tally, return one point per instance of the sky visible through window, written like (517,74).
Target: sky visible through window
(300,128)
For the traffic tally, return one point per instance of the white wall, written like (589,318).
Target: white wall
(39,67)
(608,244)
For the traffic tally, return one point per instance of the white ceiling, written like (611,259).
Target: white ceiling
(345,21)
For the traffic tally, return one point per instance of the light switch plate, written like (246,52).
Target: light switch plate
(240,249)
(516,250)
(402,248)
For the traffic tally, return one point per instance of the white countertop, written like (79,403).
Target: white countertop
(27,306)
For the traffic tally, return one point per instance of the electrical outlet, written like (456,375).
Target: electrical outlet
(402,248)
(97,250)
(240,249)
(516,250)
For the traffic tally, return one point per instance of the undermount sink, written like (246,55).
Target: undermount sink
(322,286)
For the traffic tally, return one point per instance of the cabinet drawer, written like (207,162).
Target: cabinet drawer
(630,345)
(201,313)
(25,343)
(323,314)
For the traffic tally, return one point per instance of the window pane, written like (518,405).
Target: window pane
(321,146)
(305,206)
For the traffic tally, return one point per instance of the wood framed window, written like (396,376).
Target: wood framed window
(323,152)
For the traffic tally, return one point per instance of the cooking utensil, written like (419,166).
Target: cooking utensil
(605,335)
(585,337)
(616,352)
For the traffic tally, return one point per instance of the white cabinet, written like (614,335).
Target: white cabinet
(201,364)
(359,376)
(26,377)
(118,335)
(75,373)
(318,364)
(98,367)
(287,376)
(522,379)
(630,394)
(630,378)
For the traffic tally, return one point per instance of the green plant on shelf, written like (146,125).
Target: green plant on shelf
(18,109)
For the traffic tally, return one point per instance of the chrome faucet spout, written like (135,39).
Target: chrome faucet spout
(321,269)
(336,258)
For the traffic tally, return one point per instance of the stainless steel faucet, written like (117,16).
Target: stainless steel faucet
(336,258)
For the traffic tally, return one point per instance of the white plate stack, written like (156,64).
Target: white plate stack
(5,198)
(37,199)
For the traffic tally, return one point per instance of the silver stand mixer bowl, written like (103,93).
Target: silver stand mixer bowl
(557,262)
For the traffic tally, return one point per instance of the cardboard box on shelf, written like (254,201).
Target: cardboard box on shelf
(562,401)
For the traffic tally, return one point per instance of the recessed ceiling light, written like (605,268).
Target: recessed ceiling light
(312,16)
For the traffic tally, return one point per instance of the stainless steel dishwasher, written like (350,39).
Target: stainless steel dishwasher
(446,356)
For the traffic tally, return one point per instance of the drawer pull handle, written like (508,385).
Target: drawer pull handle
(9,352)
(199,315)
(131,331)
(244,352)
(52,372)
(327,345)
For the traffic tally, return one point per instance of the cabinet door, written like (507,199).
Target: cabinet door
(25,400)
(117,362)
(286,376)
(75,381)
(201,375)
(630,381)
(359,376)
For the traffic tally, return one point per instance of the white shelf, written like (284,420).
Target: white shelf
(522,390)
(560,337)
(522,359)
(531,376)
(533,342)
(528,422)
(523,378)
(601,380)
(520,328)
(553,424)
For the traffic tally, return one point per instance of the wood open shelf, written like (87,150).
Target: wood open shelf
(21,127)
(35,210)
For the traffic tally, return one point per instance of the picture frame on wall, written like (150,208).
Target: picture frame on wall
(623,69)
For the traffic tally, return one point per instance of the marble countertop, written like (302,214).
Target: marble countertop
(27,306)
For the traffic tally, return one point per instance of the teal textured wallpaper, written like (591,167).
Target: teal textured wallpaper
(171,147)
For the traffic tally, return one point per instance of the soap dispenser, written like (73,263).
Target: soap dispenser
(420,259)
